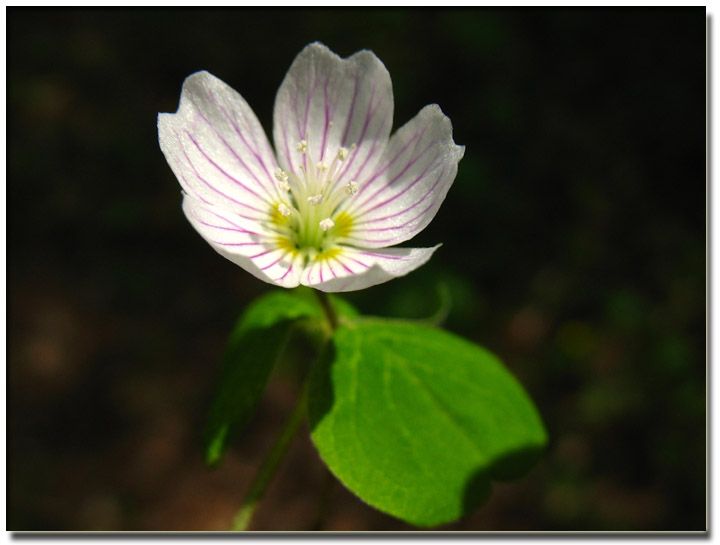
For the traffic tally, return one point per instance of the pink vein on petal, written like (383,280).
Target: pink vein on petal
(357,261)
(350,112)
(405,190)
(396,227)
(331,269)
(252,149)
(263,253)
(266,267)
(371,151)
(348,269)
(383,256)
(389,183)
(203,180)
(375,142)
(290,268)
(232,152)
(415,139)
(284,130)
(230,222)
(368,118)
(221,170)
(326,111)
(308,100)
(403,211)
(264,143)
(307,272)
(233,229)
(219,243)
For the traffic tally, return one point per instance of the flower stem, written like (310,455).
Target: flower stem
(324,503)
(270,465)
(328,309)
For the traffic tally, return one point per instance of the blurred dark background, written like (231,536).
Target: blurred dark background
(574,247)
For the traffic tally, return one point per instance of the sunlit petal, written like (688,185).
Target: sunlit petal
(355,268)
(405,192)
(332,103)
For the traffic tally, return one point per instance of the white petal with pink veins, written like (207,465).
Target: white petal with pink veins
(217,148)
(332,103)
(243,242)
(356,268)
(412,179)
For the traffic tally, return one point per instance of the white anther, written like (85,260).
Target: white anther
(281,175)
(315,199)
(284,209)
(351,188)
(321,166)
(342,154)
(302,146)
(326,224)
(284,186)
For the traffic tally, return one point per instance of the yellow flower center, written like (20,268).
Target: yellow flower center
(308,218)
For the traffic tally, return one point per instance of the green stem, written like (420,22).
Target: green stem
(324,503)
(269,466)
(328,309)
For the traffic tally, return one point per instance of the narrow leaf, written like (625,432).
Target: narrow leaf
(255,345)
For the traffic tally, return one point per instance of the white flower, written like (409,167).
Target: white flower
(324,208)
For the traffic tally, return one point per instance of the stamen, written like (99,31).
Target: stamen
(281,175)
(307,198)
(326,224)
(284,209)
(315,199)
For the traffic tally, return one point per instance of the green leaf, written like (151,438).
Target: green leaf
(255,344)
(417,421)
(300,302)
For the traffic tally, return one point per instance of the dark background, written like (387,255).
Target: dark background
(574,247)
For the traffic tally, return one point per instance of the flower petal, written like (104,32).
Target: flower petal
(243,242)
(217,148)
(355,269)
(410,183)
(330,103)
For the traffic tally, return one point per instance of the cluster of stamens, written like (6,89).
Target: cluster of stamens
(308,213)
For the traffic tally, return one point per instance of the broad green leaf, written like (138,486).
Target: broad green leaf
(255,344)
(417,421)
